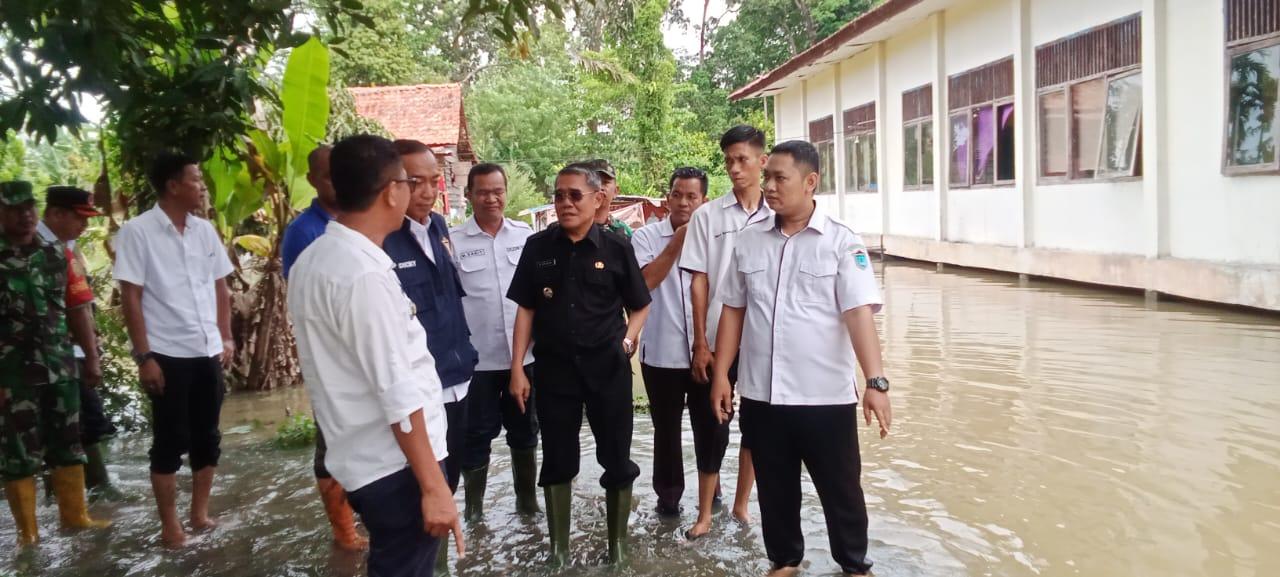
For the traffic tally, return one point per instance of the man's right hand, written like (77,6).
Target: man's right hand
(703,360)
(440,517)
(91,373)
(151,378)
(722,400)
(520,388)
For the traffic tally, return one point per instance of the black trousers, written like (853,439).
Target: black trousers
(455,440)
(322,449)
(184,418)
(391,510)
(490,409)
(609,412)
(824,438)
(669,391)
(94,424)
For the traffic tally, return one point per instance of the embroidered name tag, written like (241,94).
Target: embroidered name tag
(515,248)
(406,264)
(473,252)
(547,263)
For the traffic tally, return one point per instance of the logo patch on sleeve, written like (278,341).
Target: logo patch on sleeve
(860,257)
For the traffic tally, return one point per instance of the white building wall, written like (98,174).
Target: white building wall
(863,210)
(820,98)
(909,62)
(789,124)
(979,33)
(1211,216)
(1053,19)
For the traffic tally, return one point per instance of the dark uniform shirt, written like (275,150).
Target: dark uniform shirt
(578,292)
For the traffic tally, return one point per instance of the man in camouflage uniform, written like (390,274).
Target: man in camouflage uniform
(609,181)
(39,398)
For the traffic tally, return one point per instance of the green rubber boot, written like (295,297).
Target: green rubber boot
(617,505)
(473,484)
(96,478)
(442,556)
(524,474)
(558,499)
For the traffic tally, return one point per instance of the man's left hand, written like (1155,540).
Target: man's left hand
(228,353)
(877,403)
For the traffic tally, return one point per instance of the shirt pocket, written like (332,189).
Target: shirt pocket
(513,256)
(753,275)
(475,263)
(817,282)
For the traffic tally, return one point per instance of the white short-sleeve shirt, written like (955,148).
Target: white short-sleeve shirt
(364,356)
(708,247)
(485,265)
(668,333)
(795,347)
(177,273)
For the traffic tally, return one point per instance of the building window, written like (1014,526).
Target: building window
(822,135)
(860,149)
(982,125)
(1253,80)
(917,137)
(1090,103)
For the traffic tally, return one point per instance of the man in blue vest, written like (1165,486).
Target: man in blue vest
(424,262)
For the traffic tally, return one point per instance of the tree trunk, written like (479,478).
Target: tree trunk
(806,19)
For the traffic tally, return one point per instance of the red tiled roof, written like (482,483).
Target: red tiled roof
(431,113)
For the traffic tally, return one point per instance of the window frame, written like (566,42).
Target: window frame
(1234,49)
(1065,88)
(921,152)
(853,169)
(968,111)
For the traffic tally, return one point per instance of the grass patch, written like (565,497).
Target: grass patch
(296,432)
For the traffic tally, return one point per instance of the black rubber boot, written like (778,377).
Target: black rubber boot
(524,474)
(618,513)
(558,499)
(473,485)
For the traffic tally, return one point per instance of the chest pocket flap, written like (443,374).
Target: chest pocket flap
(751,265)
(474,263)
(819,268)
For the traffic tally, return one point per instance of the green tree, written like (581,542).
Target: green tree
(13,155)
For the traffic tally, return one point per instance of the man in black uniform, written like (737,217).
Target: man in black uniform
(573,284)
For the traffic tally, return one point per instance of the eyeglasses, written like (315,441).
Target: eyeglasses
(574,196)
(412,181)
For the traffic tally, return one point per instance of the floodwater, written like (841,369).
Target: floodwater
(1041,429)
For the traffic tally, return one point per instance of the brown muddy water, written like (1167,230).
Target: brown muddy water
(1040,429)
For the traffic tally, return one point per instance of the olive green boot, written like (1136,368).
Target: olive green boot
(96,479)
(558,499)
(617,503)
(524,474)
(473,485)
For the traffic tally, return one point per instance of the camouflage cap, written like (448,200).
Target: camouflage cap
(603,167)
(16,192)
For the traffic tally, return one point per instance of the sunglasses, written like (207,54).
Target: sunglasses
(574,196)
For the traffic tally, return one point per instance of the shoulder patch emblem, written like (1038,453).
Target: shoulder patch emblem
(860,257)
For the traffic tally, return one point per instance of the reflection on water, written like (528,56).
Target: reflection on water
(1041,429)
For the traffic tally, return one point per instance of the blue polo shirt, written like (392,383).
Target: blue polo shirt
(305,228)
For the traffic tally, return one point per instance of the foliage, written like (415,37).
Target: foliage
(13,154)
(122,396)
(344,121)
(522,193)
(296,432)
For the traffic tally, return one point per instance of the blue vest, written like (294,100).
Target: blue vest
(436,291)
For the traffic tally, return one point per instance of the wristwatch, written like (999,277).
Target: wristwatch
(878,383)
(628,346)
(141,358)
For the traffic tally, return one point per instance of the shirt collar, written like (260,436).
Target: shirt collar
(46,233)
(817,221)
(664,227)
(472,228)
(165,221)
(359,241)
(593,234)
(417,228)
(320,211)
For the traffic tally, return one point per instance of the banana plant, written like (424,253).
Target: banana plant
(255,190)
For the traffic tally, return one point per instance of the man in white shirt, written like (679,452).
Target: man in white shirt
(172,268)
(365,362)
(488,247)
(713,231)
(801,302)
(664,358)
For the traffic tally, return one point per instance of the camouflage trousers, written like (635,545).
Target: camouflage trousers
(39,424)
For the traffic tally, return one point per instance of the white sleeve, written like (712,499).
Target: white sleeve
(380,314)
(131,258)
(855,278)
(734,290)
(693,257)
(643,244)
(221,260)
